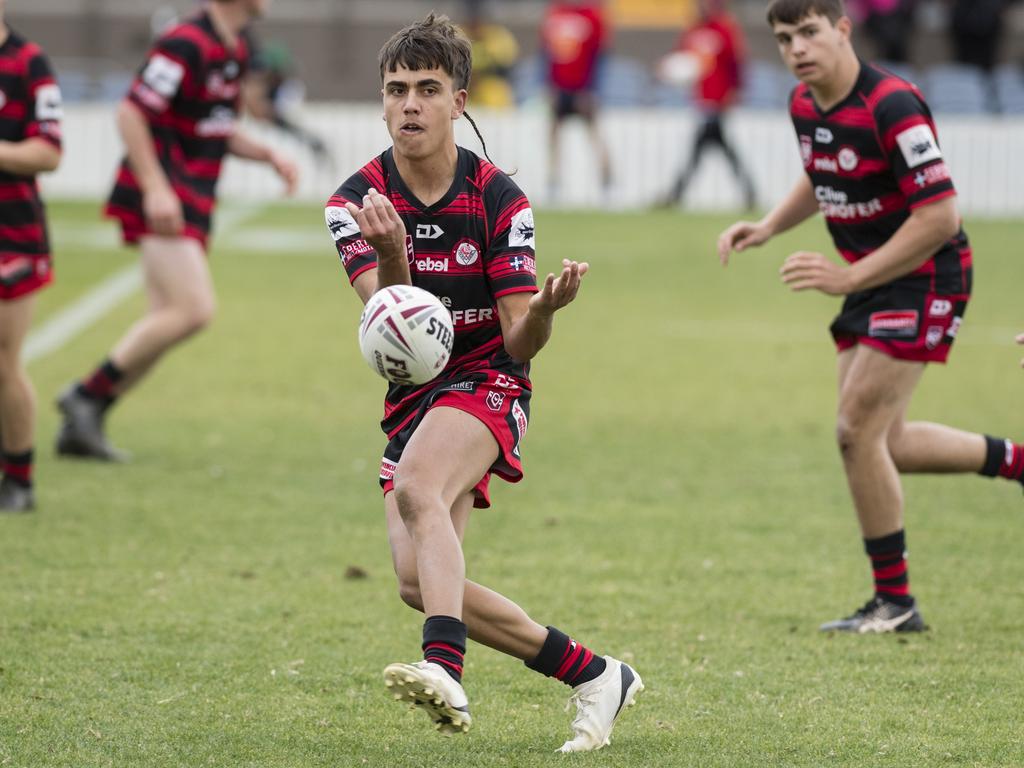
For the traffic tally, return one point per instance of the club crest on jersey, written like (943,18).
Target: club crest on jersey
(847,158)
(806,150)
(918,145)
(466,253)
(495,400)
(340,222)
(521,232)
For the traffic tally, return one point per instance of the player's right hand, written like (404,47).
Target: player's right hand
(380,224)
(739,237)
(162,208)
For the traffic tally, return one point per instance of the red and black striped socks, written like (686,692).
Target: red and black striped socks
(18,467)
(1003,458)
(444,643)
(102,383)
(888,556)
(563,658)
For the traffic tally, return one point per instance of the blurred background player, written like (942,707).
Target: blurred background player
(178,122)
(273,90)
(429,213)
(30,143)
(495,53)
(711,55)
(574,37)
(874,168)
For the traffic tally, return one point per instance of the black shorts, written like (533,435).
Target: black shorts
(499,400)
(904,320)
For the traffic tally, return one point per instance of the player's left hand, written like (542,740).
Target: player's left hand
(1020,340)
(806,269)
(286,168)
(559,291)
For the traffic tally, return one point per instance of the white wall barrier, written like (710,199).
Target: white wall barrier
(985,153)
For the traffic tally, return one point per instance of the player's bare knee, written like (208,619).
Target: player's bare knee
(409,591)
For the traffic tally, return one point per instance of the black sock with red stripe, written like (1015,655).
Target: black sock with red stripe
(563,658)
(444,643)
(1003,458)
(889,565)
(101,383)
(18,467)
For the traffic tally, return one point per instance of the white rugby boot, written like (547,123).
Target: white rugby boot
(599,704)
(425,684)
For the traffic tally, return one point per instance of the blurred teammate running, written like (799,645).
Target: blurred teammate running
(178,122)
(875,170)
(30,143)
(429,213)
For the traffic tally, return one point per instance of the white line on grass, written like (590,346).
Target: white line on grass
(102,299)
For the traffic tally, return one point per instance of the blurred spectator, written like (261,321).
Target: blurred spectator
(889,24)
(273,90)
(710,55)
(495,52)
(976,28)
(574,37)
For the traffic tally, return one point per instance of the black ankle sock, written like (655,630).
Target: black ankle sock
(995,453)
(563,658)
(101,384)
(444,643)
(889,567)
(18,467)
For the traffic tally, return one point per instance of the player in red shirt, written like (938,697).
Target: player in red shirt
(429,213)
(30,143)
(875,169)
(714,47)
(178,122)
(574,36)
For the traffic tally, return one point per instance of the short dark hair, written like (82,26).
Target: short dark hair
(434,43)
(792,11)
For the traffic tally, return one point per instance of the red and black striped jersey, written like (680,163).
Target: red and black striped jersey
(30,107)
(872,159)
(471,247)
(189,89)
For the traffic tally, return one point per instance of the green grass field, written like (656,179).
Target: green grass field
(684,508)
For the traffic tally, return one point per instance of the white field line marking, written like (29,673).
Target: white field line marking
(69,322)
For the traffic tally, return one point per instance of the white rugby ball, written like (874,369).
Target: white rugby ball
(405,334)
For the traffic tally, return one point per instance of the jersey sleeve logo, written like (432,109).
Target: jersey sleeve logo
(918,145)
(340,222)
(163,75)
(521,233)
(48,102)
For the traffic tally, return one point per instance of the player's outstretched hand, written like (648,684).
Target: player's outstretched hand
(1020,340)
(163,212)
(739,237)
(380,224)
(559,291)
(806,269)
(286,168)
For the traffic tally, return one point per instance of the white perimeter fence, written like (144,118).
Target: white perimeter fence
(985,154)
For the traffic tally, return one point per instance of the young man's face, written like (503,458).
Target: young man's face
(811,48)
(419,107)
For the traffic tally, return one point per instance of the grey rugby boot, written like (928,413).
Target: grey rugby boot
(425,684)
(81,433)
(15,497)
